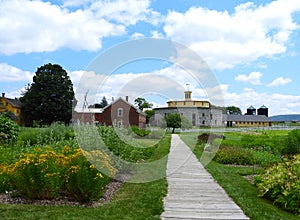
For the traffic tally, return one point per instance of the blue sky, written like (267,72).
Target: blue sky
(252,47)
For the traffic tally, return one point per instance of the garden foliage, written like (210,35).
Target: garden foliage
(281,183)
(8,130)
(125,150)
(47,174)
(293,142)
(52,134)
(234,155)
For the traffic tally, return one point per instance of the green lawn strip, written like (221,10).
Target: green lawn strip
(245,194)
(132,201)
(240,189)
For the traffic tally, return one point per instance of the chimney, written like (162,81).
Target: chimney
(126,98)
(3,94)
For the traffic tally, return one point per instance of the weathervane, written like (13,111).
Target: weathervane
(187,87)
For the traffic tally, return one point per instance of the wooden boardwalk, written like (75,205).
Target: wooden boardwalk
(192,192)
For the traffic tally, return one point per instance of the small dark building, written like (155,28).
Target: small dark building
(251,111)
(263,110)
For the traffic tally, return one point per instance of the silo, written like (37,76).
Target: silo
(263,110)
(251,111)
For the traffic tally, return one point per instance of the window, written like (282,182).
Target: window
(194,119)
(120,112)
(203,122)
(119,124)
(203,115)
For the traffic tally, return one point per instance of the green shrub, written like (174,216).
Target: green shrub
(209,137)
(139,132)
(281,184)
(84,182)
(293,142)
(234,155)
(8,130)
(264,158)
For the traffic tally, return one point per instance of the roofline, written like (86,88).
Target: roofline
(120,98)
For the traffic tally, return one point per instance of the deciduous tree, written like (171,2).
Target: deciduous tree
(142,103)
(175,120)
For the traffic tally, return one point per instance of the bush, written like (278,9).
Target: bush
(234,155)
(208,138)
(265,158)
(46,174)
(139,132)
(293,142)
(8,130)
(281,184)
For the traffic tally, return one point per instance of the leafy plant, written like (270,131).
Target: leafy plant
(126,151)
(46,135)
(281,184)
(139,132)
(46,174)
(8,130)
(293,142)
(234,155)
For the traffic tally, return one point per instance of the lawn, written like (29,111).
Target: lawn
(244,193)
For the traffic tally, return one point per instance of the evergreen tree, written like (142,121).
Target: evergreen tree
(50,97)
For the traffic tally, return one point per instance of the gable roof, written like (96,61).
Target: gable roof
(128,103)
(14,102)
(251,108)
(263,107)
(247,118)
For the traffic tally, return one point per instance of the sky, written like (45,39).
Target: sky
(251,47)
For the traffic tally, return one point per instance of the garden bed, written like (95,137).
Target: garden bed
(110,190)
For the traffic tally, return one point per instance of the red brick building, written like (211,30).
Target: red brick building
(119,113)
(123,114)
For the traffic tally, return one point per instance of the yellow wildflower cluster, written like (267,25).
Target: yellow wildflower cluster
(101,160)
(44,167)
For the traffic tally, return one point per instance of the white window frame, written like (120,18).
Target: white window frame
(120,112)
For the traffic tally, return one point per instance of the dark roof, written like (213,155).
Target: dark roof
(251,108)
(14,102)
(263,107)
(247,118)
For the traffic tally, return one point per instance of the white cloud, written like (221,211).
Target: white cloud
(226,40)
(127,12)
(156,34)
(280,81)
(253,78)
(277,103)
(36,26)
(137,35)
(10,73)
